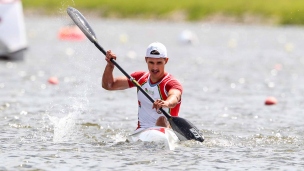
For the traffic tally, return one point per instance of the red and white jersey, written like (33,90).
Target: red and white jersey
(146,115)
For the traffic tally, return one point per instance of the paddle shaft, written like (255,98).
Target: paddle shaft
(131,79)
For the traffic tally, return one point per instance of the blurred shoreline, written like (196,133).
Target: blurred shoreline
(218,18)
(271,12)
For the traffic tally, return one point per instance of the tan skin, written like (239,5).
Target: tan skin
(156,67)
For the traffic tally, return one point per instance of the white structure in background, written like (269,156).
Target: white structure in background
(12,30)
(188,37)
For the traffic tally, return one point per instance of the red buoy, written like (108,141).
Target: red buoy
(71,33)
(271,101)
(53,80)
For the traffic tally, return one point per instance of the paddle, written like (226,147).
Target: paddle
(183,128)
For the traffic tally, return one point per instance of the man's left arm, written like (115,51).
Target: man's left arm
(174,97)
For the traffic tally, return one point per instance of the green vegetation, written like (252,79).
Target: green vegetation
(281,11)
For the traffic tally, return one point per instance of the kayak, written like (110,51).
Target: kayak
(156,134)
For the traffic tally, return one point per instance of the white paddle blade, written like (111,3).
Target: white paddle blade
(82,23)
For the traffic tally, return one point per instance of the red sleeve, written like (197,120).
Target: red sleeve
(136,75)
(174,84)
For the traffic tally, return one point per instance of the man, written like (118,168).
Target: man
(160,85)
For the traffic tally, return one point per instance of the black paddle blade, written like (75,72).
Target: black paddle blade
(82,23)
(185,130)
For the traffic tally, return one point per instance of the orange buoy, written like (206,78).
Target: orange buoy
(53,80)
(71,33)
(271,101)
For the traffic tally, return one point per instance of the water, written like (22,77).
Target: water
(227,74)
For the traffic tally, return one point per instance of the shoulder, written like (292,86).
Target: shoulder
(173,83)
(138,74)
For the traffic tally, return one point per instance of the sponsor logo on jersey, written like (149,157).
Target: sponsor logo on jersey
(149,92)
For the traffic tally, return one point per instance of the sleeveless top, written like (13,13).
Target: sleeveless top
(146,115)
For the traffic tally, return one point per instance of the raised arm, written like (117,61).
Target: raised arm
(108,80)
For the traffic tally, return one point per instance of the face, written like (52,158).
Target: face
(156,67)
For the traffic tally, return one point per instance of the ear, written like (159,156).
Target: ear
(146,59)
(166,60)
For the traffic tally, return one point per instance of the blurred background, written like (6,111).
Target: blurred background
(272,11)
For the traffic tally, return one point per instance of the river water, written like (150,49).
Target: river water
(227,73)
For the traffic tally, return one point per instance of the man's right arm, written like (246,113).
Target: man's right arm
(108,80)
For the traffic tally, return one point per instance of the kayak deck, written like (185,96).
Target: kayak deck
(156,134)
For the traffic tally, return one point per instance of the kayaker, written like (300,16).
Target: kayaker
(158,83)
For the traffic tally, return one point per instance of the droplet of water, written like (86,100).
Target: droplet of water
(70,51)
(41,73)
(274,72)
(289,47)
(278,135)
(22,74)
(33,78)
(242,80)
(271,84)
(225,115)
(10,65)
(233,85)
(234,117)
(124,38)
(232,43)
(7,105)
(23,113)
(131,54)
(43,86)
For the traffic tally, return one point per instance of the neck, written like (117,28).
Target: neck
(154,80)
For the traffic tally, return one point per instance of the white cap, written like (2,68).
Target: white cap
(156,50)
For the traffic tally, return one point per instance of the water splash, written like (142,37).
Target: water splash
(68,127)
(64,5)
(64,128)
